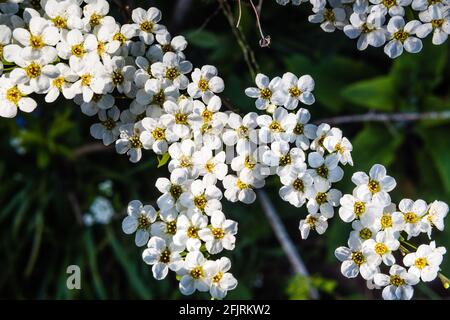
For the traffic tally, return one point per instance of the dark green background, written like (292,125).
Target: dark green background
(41,190)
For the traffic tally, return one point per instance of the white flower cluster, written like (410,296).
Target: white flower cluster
(383,22)
(380,234)
(75,49)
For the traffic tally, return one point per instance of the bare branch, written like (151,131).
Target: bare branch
(94,147)
(387,117)
(265,40)
(283,237)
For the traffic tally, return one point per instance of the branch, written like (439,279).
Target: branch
(387,117)
(248,53)
(180,12)
(87,149)
(283,237)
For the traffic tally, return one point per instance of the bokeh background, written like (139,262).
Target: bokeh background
(51,169)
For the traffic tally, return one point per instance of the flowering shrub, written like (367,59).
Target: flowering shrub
(392,23)
(135,78)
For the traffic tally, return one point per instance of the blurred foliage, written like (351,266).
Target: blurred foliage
(46,183)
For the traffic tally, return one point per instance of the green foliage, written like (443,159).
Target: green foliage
(299,286)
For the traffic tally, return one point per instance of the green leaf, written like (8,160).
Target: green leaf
(202,39)
(162,160)
(437,146)
(376,93)
(93,265)
(375,144)
(130,270)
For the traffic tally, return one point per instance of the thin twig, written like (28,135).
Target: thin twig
(249,55)
(283,237)
(387,117)
(239,14)
(265,40)
(86,149)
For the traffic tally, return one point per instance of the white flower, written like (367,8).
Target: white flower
(246,162)
(147,23)
(108,129)
(436,20)
(64,14)
(39,36)
(325,169)
(383,245)
(181,157)
(329,19)
(363,209)
(355,262)
(393,7)
(398,285)
(400,35)
(322,199)
(376,185)
(165,44)
(102,210)
(422,5)
(155,136)
(210,166)
(121,75)
(241,129)
(92,77)
(13,96)
(361,233)
(95,14)
(367,28)
(322,131)
(5,39)
(264,91)
(241,188)
(385,221)
(410,216)
(75,46)
(166,227)
(205,83)
(203,197)
(172,189)
(61,84)
(162,256)
(188,226)
(130,142)
(138,220)
(295,188)
(194,276)
(221,280)
(303,132)
(315,222)
(285,160)
(437,211)
(425,262)
(293,90)
(36,70)
(156,92)
(335,142)
(277,127)
(172,69)
(220,234)
(176,118)
(97,103)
